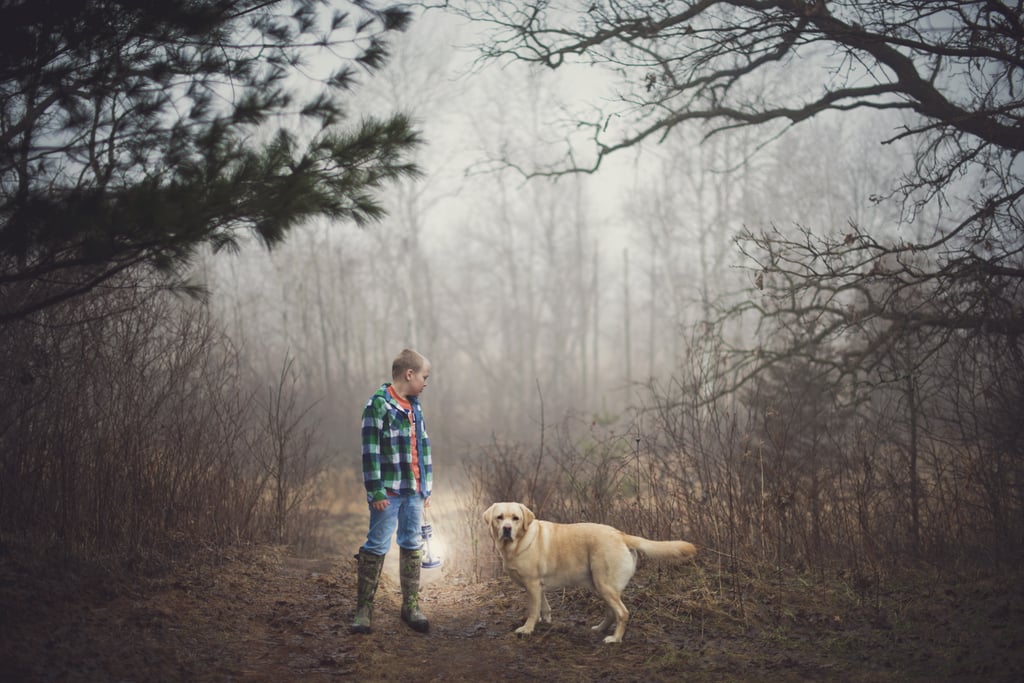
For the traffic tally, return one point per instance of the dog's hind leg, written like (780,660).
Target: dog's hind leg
(545,609)
(616,610)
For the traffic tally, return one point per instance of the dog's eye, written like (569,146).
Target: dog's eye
(500,517)
(515,518)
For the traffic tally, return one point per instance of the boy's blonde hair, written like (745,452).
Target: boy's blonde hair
(407,360)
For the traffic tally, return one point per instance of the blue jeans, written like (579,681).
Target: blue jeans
(404,513)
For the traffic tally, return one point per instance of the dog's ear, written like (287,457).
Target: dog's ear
(527,514)
(488,514)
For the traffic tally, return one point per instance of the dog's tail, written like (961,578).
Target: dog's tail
(662,550)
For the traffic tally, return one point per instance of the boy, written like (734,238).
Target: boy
(397,474)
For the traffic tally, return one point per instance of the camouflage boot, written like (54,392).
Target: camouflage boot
(370,566)
(409,572)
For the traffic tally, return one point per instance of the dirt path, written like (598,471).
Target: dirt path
(263,616)
(266,616)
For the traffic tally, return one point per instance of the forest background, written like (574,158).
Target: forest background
(794,339)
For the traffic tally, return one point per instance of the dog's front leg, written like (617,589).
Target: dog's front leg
(534,604)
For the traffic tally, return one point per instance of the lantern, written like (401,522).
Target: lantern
(427,532)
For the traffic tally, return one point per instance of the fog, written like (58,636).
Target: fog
(768,336)
(535,298)
(757,285)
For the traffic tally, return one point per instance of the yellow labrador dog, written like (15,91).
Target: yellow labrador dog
(543,556)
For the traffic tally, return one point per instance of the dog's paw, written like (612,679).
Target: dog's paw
(524,630)
(612,639)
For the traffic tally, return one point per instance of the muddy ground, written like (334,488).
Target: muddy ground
(262,614)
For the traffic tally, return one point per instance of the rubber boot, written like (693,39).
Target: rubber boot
(409,572)
(370,566)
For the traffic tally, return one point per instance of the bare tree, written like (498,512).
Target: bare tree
(882,313)
(290,460)
(951,70)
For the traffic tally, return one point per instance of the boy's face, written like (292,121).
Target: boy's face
(417,380)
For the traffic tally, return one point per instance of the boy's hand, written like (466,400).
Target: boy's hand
(380,505)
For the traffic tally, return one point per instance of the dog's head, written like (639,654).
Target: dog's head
(508,521)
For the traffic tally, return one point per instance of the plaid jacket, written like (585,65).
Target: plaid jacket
(387,447)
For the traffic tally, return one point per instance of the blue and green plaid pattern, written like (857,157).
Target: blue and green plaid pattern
(387,448)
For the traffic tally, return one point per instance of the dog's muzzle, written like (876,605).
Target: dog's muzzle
(506,533)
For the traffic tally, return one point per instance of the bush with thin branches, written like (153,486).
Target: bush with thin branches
(130,428)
